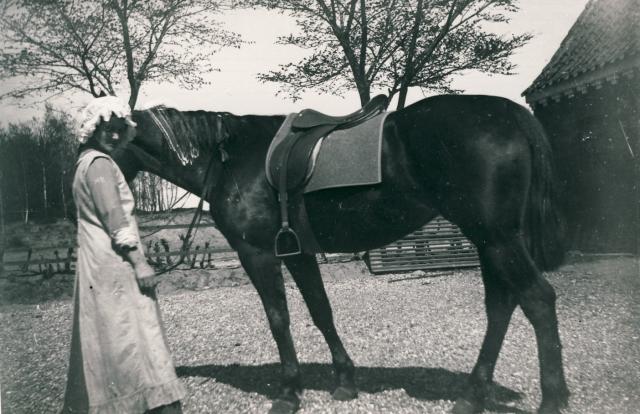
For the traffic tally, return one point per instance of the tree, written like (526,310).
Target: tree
(97,45)
(391,45)
(36,166)
(154,194)
(57,145)
(16,150)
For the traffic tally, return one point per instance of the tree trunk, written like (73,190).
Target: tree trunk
(402,97)
(135,91)
(45,203)
(2,229)
(26,192)
(410,62)
(65,212)
(364,92)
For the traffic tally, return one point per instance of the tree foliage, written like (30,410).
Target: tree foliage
(36,167)
(99,45)
(391,45)
(37,164)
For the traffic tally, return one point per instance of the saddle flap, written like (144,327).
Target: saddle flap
(298,156)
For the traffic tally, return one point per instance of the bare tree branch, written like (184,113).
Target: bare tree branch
(391,45)
(101,45)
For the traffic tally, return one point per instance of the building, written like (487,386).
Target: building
(588,99)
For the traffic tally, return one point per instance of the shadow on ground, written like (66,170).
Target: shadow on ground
(430,384)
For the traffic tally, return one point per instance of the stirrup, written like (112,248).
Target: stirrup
(287,242)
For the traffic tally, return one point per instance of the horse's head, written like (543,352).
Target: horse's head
(178,146)
(144,151)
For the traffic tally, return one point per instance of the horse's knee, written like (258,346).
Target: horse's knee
(278,320)
(538,300)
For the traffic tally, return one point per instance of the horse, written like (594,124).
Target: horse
(482,162)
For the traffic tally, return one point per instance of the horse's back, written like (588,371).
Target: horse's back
(462,114)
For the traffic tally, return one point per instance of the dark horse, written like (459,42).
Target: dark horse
(482,162)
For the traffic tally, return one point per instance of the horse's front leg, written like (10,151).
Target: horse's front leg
(306,273)
(264,270)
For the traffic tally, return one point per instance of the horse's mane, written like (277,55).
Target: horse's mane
(191,133)
(188,133)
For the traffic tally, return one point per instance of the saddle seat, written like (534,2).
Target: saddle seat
(310,118)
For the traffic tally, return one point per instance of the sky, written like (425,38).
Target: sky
(235,87)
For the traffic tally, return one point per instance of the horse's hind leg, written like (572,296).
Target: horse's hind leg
(537,298)
(264,270)
(509,262)
(500,305)
(305,272)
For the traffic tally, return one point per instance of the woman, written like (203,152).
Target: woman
(120,362)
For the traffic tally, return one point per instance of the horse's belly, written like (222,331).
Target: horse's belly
(363,218)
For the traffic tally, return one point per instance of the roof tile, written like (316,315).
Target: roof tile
(607,31)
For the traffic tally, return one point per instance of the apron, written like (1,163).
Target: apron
(119,360)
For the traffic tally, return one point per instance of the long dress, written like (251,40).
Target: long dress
(119,360)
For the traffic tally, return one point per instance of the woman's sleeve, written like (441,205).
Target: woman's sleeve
(102,182)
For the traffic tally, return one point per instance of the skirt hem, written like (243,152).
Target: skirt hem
(143,399)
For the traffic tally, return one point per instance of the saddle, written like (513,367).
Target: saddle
(289,166)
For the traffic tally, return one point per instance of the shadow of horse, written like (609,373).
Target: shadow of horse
(430,384)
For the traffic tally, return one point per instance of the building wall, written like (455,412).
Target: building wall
(596,142)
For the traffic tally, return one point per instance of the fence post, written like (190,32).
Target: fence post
(57,255)
(156,249)
(165,245)
(206,246)
(195,257)
(25,267)
(67,263)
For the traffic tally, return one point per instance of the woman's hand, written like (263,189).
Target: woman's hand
(145,275)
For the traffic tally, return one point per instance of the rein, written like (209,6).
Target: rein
(195,222)
(221,136)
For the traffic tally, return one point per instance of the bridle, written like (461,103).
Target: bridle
(209,184)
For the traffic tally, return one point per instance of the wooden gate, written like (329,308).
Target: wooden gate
(440,244)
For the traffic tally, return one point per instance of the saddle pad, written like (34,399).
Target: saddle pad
(349,157)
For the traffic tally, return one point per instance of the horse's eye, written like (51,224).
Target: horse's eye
(117,126)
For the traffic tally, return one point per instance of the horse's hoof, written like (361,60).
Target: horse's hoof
(344,394)
(284,407)
(554,405)
(463,406)
(550,408)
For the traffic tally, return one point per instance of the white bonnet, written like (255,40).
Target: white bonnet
(102,108)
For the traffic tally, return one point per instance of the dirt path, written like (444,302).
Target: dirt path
(413,339)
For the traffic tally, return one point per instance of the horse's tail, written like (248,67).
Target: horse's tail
(544,223)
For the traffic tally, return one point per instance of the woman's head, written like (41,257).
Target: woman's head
(107,124)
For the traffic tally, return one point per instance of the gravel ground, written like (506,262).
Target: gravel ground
(413,339)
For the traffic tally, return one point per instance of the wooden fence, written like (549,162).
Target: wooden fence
(33,260)
(438,245)
(71,258)
(158,252)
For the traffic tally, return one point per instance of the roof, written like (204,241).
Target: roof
(603,44)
